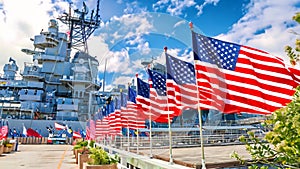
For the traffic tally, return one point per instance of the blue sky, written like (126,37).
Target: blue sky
(132,31)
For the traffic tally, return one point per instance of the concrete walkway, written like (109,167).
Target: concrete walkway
(61,156)
(40,157)
(215,156)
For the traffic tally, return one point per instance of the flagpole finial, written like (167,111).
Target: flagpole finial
(136,75)
(165,49)
(191,25)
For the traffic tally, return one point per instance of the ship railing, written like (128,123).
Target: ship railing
(160,144)
(42,140)
(163,141)
(20,83)
(251,120)
(3,77)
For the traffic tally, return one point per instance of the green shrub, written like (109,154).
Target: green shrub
(101,157)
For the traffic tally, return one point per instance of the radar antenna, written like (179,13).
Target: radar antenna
(81,26)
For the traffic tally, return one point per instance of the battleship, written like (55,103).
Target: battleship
(59,87)
(56,85)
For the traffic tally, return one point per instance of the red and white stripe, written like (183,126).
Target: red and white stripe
(131,116)
(260,84)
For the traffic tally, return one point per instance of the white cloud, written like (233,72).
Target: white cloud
(177,7)
(97,47)
(119,31)
(144,48)
(174,7)
(128,27)
(159,4)
(206,2)
(265,26)
(119,1)
(185,55)
(118,61)
(122,80)
(23,20)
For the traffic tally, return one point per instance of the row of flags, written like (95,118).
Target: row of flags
(120,112)
(5,131)
(227,77)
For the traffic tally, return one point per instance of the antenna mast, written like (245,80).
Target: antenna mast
(81,26)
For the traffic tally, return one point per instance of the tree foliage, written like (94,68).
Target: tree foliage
(280,148)
(294,53)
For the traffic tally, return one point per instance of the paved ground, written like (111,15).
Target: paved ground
(214,155)
(40,157)
(61,156)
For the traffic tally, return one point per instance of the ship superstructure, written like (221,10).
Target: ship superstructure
(55,85)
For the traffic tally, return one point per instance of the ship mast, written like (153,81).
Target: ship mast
(81,26)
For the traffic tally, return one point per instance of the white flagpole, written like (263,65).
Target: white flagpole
(169,123)
(201,136)
(137,141)
(150,125)
(137,129)
(150,134)
(128,138)
(170,138)
(200,119)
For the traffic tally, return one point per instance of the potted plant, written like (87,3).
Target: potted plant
(83,157)
(100,159)
(7,146)
(79,148)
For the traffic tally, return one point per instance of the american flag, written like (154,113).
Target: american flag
(87,131)
(235,78)
(102,126)
(131,114)
(181,82)
(117,122)
(92,128)
(143,97)
(110,121)
(160,105)
(149,107)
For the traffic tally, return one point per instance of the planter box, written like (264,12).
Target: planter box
(1,149)
(7,149)
(77,152)
(82,158)
(112,166)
